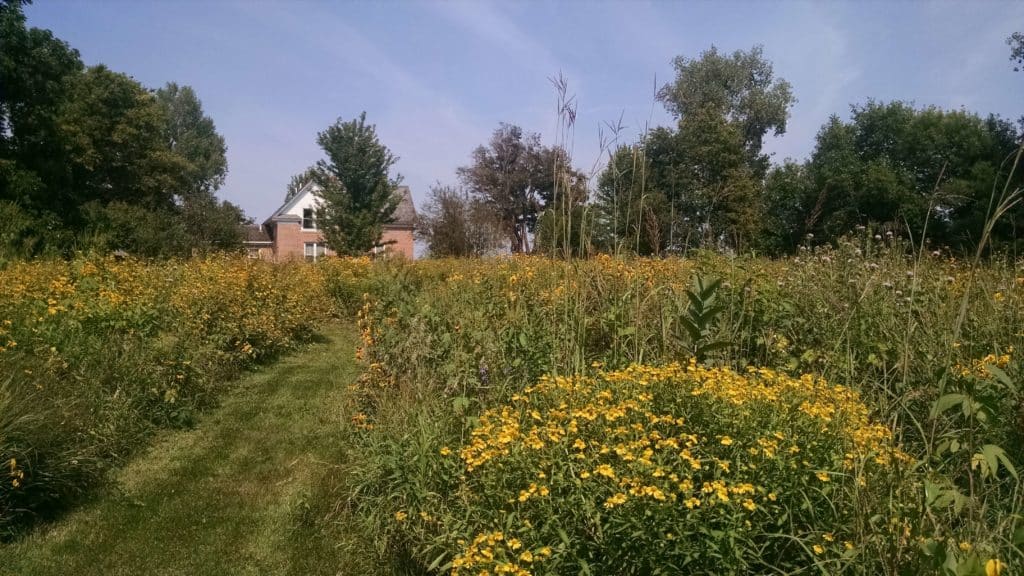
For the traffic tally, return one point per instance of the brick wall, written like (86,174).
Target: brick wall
(290,241)
(402,241)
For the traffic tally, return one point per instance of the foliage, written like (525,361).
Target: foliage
(625,218)
(95,354)
(516,176)
(455,225)
(897,167)
(740,87)
(191,134)
(681,189)
(76,142)
(675,469)
(450,346)
(355,186)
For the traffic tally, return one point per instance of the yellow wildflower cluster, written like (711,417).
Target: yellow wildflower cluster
(492,553)
(729,446)
(979,367)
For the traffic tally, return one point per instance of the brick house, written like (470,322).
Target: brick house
(291,231)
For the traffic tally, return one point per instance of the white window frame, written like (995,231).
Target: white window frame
(312,218)
(318,249)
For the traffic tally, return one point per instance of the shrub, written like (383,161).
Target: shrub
(678,470)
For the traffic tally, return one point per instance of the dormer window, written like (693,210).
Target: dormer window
(308,222)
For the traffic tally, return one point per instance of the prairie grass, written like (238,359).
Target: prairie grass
(446,342)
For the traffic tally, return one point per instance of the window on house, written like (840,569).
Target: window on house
(308,221)
(314,251)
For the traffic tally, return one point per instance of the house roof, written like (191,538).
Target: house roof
(405,213)
(404,217)
(255,234)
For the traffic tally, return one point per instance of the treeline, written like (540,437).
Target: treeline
(92,160)
(707,183)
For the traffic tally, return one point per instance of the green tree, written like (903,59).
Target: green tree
(192,135)
(617,199)
(355,186)
(113,129)
(455,224)
(740,87)
(896,166)
(91,158)
(787,194)
(36,75)
(516,176)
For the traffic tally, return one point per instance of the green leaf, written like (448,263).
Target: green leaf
(437,561)
(691,328)
(948,401)
(1000,375)
(995,454)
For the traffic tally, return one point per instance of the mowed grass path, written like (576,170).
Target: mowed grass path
(234,495)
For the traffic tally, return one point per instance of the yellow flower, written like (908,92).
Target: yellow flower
(726,441)
(526,556)
(400,516)
(616,500)
(445,451)
(818,549)
(749,504)
(823,476)
(994,567)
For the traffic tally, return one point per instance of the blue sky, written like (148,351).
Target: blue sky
(437,77)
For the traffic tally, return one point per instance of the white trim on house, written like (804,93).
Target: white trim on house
(314,250)
(287,206)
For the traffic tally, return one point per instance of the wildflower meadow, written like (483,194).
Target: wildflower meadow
(849,410)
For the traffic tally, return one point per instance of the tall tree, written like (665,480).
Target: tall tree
(516,175)
(113,129)
(741,87)
(356,189)
(192,135)
(37,71)
(91,158)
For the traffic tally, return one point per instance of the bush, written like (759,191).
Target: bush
(677,470)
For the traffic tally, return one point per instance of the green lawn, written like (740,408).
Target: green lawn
(238,494)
